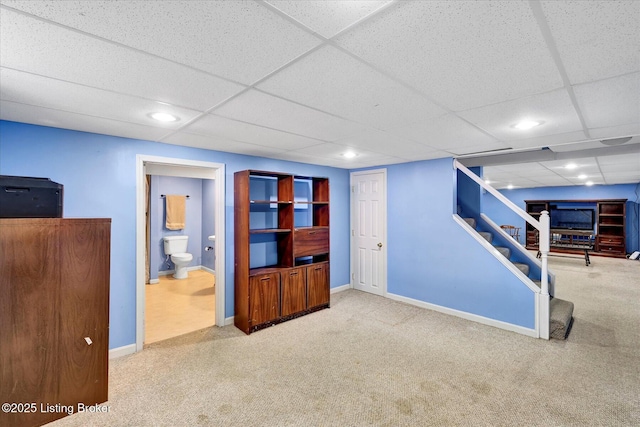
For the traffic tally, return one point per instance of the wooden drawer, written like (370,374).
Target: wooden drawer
(310,241)
(611,249)
(611,240)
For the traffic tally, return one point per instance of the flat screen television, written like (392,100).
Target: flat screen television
(572,219)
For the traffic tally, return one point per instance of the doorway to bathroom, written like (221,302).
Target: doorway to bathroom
(180,293)
(167,306)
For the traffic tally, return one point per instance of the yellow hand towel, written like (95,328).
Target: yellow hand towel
(175,211)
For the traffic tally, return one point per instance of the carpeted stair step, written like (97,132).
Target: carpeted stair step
(506,252)
(487,236)
(560,318)
(522,267)
(470,221)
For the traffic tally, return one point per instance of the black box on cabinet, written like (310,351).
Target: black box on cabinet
(27,197)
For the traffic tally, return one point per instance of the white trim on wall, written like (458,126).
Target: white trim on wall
(467,316)
(341,288)
(193,169)
(125,350)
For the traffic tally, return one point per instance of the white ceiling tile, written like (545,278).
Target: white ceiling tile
(12,111)
(31,45)
(551,141)
(585,32)
(218,144)
(332,81)
(216,126)
(554,109)
(629,178)
(265,110)
(215,36)
(610,102)
(30,89)
(385,143)
(560,165)
(450,133)
(630,159)
(336,151)
(327,18)
(615,131)
(463,54)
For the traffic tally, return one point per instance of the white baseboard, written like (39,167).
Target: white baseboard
(207,269)
(467,316)
(341,288)
(154,281)
(229,321)
(125,350)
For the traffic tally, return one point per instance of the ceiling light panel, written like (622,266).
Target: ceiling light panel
(554,109)
(222,127)
(619,94)
(384,143)
(584,32)
(332,81)
(331,150)
(205,35)
(327,18)
(76,121)
(269,111)
(28,44)
(508,61)
(35,90)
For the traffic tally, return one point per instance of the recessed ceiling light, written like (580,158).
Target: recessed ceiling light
(164,117)
(510,186)
(526,124)
(570,166)
(589,183)
(349,155)
(583,176)
(487,181)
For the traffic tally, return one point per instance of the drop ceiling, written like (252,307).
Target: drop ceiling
(307,81)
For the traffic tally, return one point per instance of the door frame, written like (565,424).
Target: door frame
(186,168)
(354,222)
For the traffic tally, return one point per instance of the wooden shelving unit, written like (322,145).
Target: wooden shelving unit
(610,224)
(611,220)
(281,247)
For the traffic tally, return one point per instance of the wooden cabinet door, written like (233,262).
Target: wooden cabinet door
(264,298)
(318,284)
(29,307)
(84,307)
(294,292)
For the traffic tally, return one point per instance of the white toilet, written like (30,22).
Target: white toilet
(176,246)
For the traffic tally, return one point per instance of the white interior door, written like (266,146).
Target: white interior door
(369,231)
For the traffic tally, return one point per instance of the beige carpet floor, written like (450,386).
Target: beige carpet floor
(370,361)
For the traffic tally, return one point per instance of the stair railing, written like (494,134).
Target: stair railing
(542,225)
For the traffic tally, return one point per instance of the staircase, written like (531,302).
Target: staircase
(561,312)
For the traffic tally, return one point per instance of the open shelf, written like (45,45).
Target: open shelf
(281,247)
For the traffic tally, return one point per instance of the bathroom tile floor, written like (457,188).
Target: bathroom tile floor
(176,307)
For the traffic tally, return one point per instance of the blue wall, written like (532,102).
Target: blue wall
(502,215)
(431,258)
(99,177)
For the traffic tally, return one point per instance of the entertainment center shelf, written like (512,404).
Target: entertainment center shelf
(281,247)
(603,219)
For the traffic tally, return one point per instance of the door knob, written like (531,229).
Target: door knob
(380,245)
